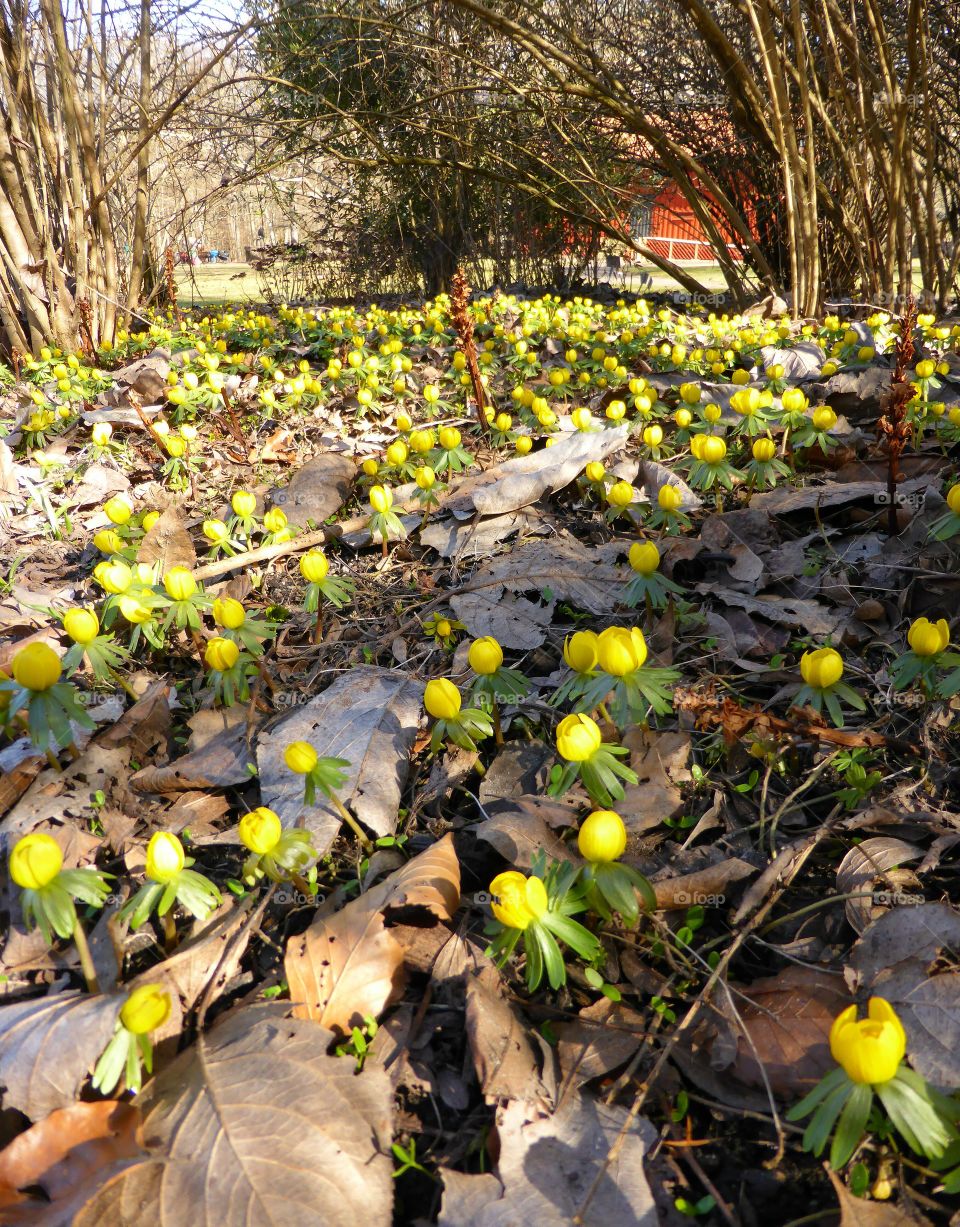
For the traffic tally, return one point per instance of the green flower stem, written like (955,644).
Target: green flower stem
(351,822)
(86,959)
(604,714)
(124,685)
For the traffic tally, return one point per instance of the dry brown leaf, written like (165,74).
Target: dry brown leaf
(220,762)
(518,833)
(863,867)
(659,759)
(605,1035)
(68,1149)
(787,1018)
(168,543)
(856,1212)
(347,966)
(318,490)
(707,885)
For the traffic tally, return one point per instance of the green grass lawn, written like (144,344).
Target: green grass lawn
(209,283)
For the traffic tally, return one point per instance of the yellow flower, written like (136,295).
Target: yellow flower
(176,447)
(712,413)
(690,393)
(36,667)
(824,418)
(442,699)
(82,625)
(683,418)
(582,418)
(147,1008)
(621,650)
(869,1050)
(165,856)
(370,467)
(764,450)
(449,437)
(300,757)
(275,521)
(578,738)
(653,435)
(118,509)
(228,612)
(620,494)
(135,611)
(421,441)
(925,369)
(260,830)
(244,503)
(221,654)
(179,584)
(712,449)
(821,668)
(602,836)
(150,519)
(397,452)
(669,496)
(928,638)
(580,651)
(314,566)
(381,498)
(101,433)
(517,899)
(523,445)
(215,530)
(35,861)
(114,577)
(595,471)
(746,401)
(404,422)
(644,557)
(485,655)
(953,499)
(108,541)
(442,628)
(425,477)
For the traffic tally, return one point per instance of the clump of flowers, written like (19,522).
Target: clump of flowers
(36,693)
(185,600)
(821,671)
(450,455)
(102,653)
(610,886)
(870,1054)
(927,656)
(634,690)
(170,880)
(464,726)
(580,656)
(596,764)
(764,468)
(536,912)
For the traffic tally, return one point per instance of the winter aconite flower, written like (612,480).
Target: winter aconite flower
(495,683)
(536,911)
(647,585)
(384,522)
(315,569)
(631,689)
(580,742)
(170,880)
(145,1009)
(464,726)
(870,1054)
(36,695)
(36,866)
(580,655)
(274,853)
(611,887)
(325,775)
(821,671)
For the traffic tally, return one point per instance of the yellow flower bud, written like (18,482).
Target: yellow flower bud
(690,393)
(108,541)
(644,557)
(442,628)
(370,468)
(314,566)
(517,899)
(653,435)
(176,447)
(582,418)
(485,655)
(150,519)
(764,450)
(683,418)
(712,449)
(421,441)
(442,699)
(578,738)
(821,668)
(244,503)
(595,471)
(824,418)
(740,377)
(229,612)
(300,757)
(36,667)
(953,499)
(602,836)
(404,422)
(221,654)
(621,650)
(215,530)
(118,509)
(381,498)
(669,496)
(869,1050)
(928,638)
(925,369)
(179,584)
(165,856)
(397,452)
(712,413)
(275,521)
(260,830)
(449,437)
(147,1008)
(114,577)
(101,433)
(82,625)
(35,861)
(135,611)
(580,651)
(425,477)
(620,494)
